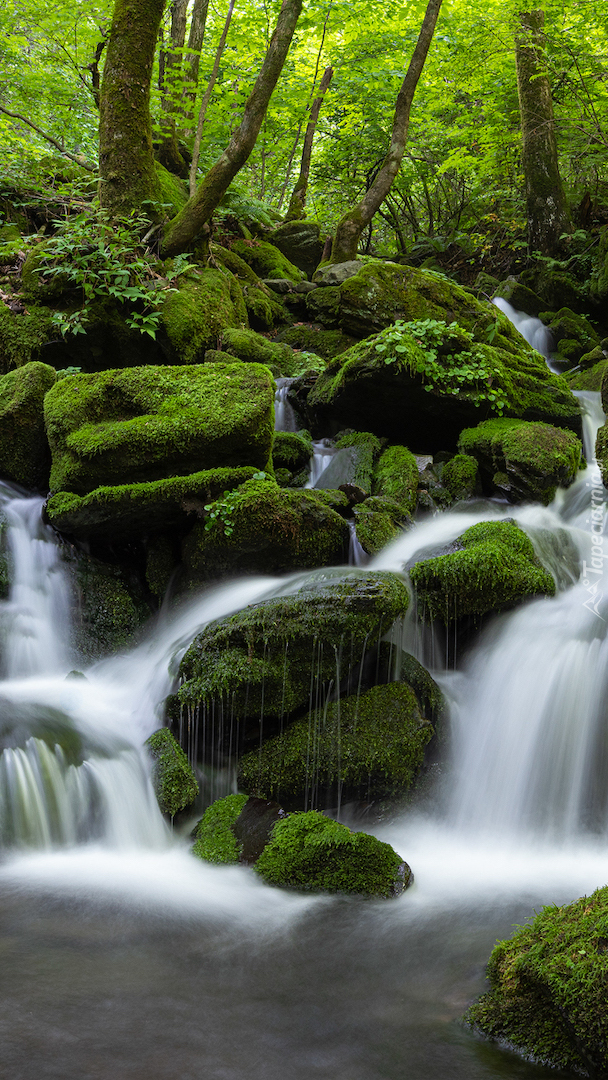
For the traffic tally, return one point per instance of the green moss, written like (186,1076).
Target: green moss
(290,450)
(396,477)
(378,522)
(493,568)
(524,460)
(108,605)
(266,260)
(590,379)
(312,853)
(173,191)
(548,988)
(136,510)
(175,784)
(271,530)
(367,448)
(161,563)
(215,841)
(194,317)
(142,424)
(362,747)
(324,343)
(601,451)
(253,347)
(24,450)
(460,476)
(22,336)
(261,660)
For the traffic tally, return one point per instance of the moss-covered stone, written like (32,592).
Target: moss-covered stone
(589,378)
(523,460)
(601,450)
(324,343)
(379,521)
(548,988)
(161,563)
(175,784)
(573,335)
(300,242)
(312,853)
(396,477)
(520,297)
(427,393)
(253,347)
(173,191)
(24,450)
(492,567)
(42,288)
(368,746)
(556,287)
(261,662)
(143,424)
(108,605)
(291,450)
(194,317)
(460,475)
(366,448)
(215,841)
(261,528)
(266,260)
(133,511)
(22,336)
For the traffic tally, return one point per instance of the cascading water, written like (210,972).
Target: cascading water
(323,452)
(284,415)
(532,329)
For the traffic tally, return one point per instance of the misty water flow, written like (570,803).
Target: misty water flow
(532,329)
(284,415)
(323,451)
(125,956)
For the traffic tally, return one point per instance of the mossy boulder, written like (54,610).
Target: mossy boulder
(558,288)
(24,450)
(547,995)
(292,450)
(174,782)
(589,378)
(352,463)
(521,460)
(324,343)
(300,242)
(369,746)
(134,511)
(215,840)
(195,316)
(379,521)
(391,384)
(396,477)
(491,567)
(312,853)
(573,334)
(519,296)
(143,424)
(257,665)
(108,605)
(173,190)
(261,528)
(266,260)
(254,348)
(460,476)
(22,336)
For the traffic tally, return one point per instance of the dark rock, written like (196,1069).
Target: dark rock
(253,827)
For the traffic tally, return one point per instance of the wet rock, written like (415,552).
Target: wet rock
(24,450)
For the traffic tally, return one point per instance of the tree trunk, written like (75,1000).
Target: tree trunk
(192,59)
(184,228)
(168,152)
(354,221)
(196,149)
(298,196)
(547,210)
(126,162)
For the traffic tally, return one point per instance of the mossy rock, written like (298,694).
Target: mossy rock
(254,348)
(266,260)
(195,317)
(291,450)
(601,451)
(40,288)
(300,242)
(173,191)
(589,378)
(324,343)
(215,841)
(573,334)
(108,604)
(312,853)
(134,511)
(460,475)
(520,297)
(523,461)
(369,746)
(557,288)
(491,567)
(258,663)
(261,528)
(22,336)
(174,782)
(396,477)
(547,995)
(373,387)
(379,521)
(24,450)
(142,424)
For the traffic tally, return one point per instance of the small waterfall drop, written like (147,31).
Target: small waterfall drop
(284,415)
(357,556)
(532,329)
(323,452)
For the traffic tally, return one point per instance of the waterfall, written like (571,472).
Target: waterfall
(284,415)
(323,452)
(357,556)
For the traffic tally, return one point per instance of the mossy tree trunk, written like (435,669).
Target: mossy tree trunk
(191,221)
(547,210)
(354,221)
(192,59)
(298,195)
(126,162)
(171,67)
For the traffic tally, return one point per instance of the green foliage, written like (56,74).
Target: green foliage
(221,511)
(214,839)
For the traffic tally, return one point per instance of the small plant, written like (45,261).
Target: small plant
(222,510)
(461,370)
(105,257)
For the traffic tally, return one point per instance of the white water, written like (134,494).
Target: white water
(284,416)
(524,807)
(532,329)
(357,556)
(323,452)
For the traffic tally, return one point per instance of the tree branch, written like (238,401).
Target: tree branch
(49,138)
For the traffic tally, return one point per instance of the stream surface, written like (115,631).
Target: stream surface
(124,958)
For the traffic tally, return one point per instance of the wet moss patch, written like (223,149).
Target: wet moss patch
(175,784)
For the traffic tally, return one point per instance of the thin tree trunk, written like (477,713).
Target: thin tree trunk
(354,221)
(547,210)
(298,196)
(126,162)
(196,149)
(184,228)
(168,153)
(192,58)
